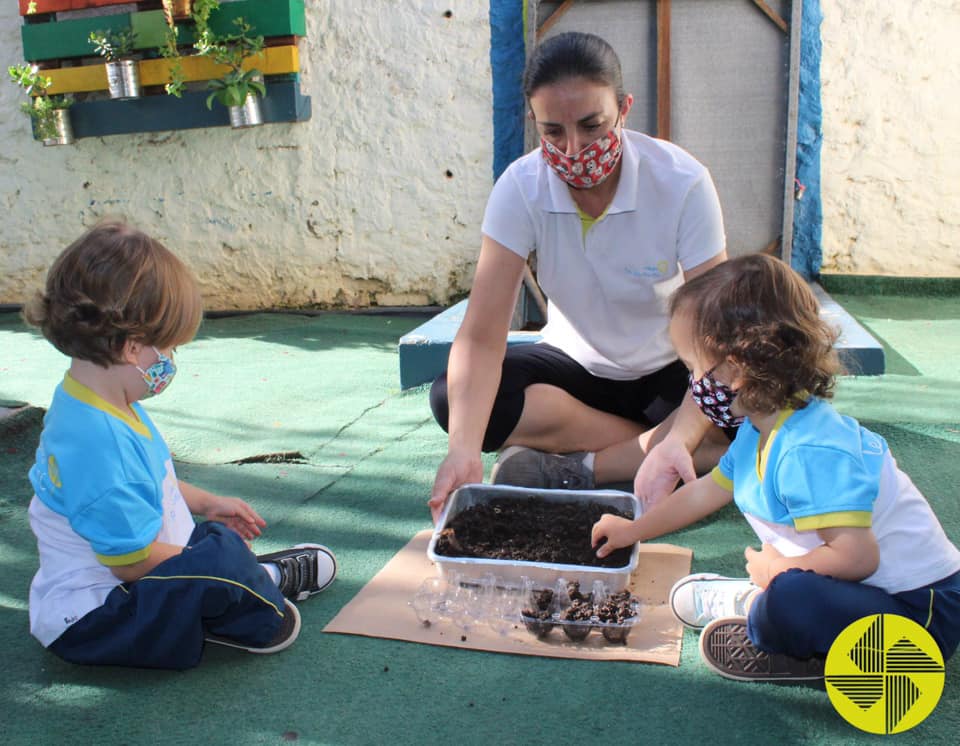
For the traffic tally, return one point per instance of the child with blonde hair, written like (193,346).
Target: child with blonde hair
(126,577)
(844,532)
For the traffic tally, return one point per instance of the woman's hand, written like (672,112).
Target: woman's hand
(236,514)
(761,566)
(664,466)
(612,532)
(456,469)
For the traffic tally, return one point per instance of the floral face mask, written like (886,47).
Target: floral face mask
(714,399)
(159,375)
(589,167)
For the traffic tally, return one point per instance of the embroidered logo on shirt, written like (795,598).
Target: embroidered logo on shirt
(657,270)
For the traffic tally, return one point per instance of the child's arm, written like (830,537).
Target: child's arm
(231,511)
(687,505)
(848,553)
(159,551)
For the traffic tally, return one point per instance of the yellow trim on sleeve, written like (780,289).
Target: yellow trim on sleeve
(78,391)
(852,518)
(721,479)
(119,560)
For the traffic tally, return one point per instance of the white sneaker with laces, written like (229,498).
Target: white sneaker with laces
(696,600)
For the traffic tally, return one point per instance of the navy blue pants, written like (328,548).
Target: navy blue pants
(215,586)
(801,613)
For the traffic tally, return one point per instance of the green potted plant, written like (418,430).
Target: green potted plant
(238,89)
(177,10)
(123,73)
(49,114)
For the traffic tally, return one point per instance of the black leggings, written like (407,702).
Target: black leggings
(647,400)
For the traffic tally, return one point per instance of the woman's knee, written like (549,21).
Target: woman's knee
(439,403)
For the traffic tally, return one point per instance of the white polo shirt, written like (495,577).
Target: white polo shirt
(608,289)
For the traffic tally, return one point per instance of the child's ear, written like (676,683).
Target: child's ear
(737,373)
(131,351)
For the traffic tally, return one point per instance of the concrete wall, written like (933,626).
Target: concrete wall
(375,201)
(356,207)
(891,137)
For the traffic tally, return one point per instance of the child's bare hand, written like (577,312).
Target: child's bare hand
(612,532)
(760,565)
(236,514)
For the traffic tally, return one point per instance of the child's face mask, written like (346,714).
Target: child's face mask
(159,375)
(714,399)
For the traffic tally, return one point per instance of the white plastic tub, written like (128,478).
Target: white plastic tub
(543,573)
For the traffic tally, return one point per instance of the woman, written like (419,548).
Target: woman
(618,220)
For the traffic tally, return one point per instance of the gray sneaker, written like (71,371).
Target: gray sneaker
(725,647)
(525,467)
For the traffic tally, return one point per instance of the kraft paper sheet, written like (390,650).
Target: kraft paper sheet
(381,609)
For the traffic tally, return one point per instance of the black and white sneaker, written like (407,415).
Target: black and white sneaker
(305,569)
(285,637)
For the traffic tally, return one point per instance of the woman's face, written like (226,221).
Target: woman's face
(571,114)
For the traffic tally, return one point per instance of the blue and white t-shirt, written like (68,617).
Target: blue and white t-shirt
(820,469)
(105,491)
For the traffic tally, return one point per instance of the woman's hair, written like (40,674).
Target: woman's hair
(573,54)
(763,316)
(112,284)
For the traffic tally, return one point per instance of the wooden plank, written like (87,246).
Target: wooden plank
(57,6)
(69,38)
(663,69)
(272,61)
(283,103)
(553,18)
(793,108)
(771,14)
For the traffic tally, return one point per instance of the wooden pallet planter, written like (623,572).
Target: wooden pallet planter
(90,78)
(283,103)
(69,38)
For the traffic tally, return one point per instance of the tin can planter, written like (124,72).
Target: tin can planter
(53,128)
(123,79)
(62,129)
(176,10)
(247,115)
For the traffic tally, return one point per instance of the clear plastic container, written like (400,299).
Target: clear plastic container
(577,614)
(545,573)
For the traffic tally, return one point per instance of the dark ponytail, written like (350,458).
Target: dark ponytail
(573,54)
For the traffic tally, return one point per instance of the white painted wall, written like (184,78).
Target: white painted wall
(891,137)
(354,207)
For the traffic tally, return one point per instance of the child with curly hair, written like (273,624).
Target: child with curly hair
(126,577)
(841,526)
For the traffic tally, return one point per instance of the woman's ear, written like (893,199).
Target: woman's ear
(625,109)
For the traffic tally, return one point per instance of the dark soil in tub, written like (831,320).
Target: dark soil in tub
(529,530)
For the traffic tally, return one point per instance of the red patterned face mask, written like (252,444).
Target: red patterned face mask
(589,167)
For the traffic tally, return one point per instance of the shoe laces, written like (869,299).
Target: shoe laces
(297,573)
(569,472)
(714,602)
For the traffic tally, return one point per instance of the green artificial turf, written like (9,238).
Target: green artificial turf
(327,388)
